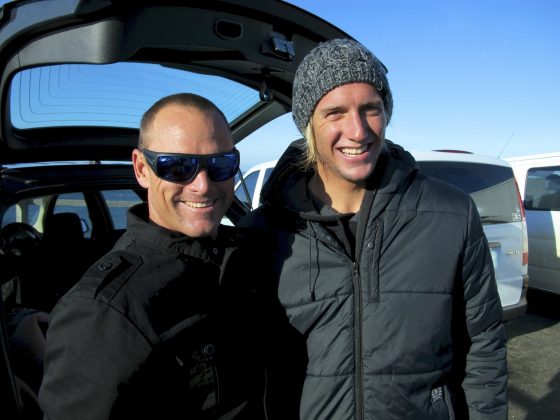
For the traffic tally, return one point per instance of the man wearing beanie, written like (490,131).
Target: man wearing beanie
(386,273)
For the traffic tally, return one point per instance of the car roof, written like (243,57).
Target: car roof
(536,157)
(69,86)
(457,156)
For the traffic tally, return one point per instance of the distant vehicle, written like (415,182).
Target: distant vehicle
(491,184)
(539,183)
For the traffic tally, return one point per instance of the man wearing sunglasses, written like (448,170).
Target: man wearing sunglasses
(167,324)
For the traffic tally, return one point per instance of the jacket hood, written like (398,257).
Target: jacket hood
(286,189)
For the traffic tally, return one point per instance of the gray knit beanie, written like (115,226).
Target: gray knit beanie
(329,65)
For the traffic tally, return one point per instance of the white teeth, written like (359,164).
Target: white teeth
(354,151)
(198,205)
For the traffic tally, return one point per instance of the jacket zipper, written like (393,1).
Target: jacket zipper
(265,396)
(358,362)
(358,379)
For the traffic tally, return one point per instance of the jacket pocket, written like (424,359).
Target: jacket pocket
(442,403)
(203,377)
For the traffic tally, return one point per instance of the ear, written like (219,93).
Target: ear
(141,169)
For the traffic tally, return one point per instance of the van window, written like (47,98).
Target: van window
(492,187)
(542,190)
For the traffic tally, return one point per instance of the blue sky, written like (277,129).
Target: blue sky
(476,75)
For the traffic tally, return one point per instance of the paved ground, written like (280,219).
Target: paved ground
(534,360)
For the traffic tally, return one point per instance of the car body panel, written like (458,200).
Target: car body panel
(543,219)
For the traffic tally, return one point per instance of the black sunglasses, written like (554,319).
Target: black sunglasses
(182,168)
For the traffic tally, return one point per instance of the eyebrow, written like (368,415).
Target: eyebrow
(375,102)
(327,109)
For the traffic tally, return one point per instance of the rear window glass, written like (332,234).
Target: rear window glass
(492,187)
(112,95)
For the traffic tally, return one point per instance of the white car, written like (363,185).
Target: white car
(538,177)
(491,184)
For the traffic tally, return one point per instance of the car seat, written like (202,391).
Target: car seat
(64,256)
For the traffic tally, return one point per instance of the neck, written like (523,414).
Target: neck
(343,196)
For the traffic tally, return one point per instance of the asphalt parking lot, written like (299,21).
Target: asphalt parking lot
(534,360)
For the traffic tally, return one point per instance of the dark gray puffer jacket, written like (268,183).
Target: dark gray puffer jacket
(409,329)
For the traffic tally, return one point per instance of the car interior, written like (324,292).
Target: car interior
(38,268)
(103,62)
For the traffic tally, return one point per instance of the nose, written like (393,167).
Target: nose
(200,183)
(357,127)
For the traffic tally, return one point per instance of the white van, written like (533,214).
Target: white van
(491,184)
(538,177)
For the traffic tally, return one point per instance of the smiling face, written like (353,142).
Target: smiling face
(349,130)
(196,208)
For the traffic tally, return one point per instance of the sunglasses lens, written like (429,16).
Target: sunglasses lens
(183,168)
(222,167)
(177,168)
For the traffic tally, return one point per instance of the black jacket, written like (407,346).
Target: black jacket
(164,326)
(409,328)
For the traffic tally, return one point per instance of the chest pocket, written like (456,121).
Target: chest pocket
(174,379)
(201,373)
(187,371)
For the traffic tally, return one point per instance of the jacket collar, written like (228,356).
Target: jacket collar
(287,185)
(206,248)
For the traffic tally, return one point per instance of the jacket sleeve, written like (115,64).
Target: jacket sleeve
(91,350)
(485,381)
